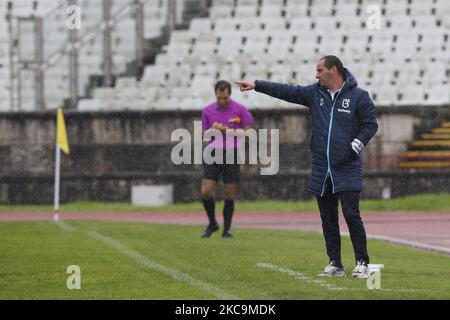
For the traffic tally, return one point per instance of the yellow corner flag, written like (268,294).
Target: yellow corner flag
(61,133)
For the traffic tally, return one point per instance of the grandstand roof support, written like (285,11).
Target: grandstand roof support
(39,60)
(73,63)
(204,6)
(171,15)
(12,77)
(107,51)
(139,23)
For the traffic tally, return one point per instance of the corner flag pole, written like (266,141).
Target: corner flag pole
(57,178)
(61,144)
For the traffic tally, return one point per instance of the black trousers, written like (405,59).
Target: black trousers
(328,206)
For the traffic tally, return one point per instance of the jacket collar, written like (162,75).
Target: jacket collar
(349,82)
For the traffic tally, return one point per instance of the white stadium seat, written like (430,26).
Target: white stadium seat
(221,3)
(300,25)
(250,24)
(412,95)
(442,9)
(177,49)
(246,11)
(381,44)
(88,105)
(274,25)
(406,45)
(367,3)
(438,95)
(432,40)
(222,11)
(400,23)
(273,2)
(230,71)
(421,7)
(406,62)
(325,24)
(181,36)
(225,25)
(294,11)
(271,11)
(425,22)
(321,8)
(247,2)
(408,74)
(347,10)
(200,25)
(396,8)
(355,47)
(386,95)
(280,44)
(434,75)
(297,2)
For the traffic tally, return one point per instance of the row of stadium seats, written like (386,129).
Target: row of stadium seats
(317,8)
(407,62)
(396,72)
(190,48)
(174,89)
(186,99)
(265,39)
(339,24)
(90,55)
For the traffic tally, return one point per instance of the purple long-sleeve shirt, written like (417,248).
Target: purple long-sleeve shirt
(234,116)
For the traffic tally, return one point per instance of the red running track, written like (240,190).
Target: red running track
(426,230)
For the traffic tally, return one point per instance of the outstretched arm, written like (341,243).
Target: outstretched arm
(291,93)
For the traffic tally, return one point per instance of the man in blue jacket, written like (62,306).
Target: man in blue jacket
(343,122)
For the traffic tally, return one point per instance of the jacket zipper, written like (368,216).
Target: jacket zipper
(329,138)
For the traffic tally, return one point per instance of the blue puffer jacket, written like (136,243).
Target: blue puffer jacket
(334,126)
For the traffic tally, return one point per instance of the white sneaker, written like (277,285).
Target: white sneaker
(361,270)
(332,270)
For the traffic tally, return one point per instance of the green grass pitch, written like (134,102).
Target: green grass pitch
(125,260)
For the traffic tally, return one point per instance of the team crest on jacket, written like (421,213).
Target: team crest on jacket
(345,103)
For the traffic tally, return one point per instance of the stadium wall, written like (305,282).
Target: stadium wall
(111,152)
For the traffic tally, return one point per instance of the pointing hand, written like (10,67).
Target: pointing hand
(245,85)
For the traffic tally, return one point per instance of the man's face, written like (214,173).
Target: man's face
(324,75)
(223,97)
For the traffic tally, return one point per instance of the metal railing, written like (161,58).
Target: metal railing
(71,47)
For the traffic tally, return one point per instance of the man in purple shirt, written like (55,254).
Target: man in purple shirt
(222,115)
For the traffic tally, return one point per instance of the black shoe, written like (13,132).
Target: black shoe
(209,231)
(227,234)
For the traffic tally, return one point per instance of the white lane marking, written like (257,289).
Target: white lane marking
(66,227)
(177,275)
(408,243)
(300,276)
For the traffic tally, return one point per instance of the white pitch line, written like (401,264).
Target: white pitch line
(300,276)
(66,227)
(407,243)
(177,275)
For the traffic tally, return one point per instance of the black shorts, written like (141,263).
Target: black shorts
(230,172)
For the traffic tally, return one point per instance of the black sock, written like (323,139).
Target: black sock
(210,205)
(228,210)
